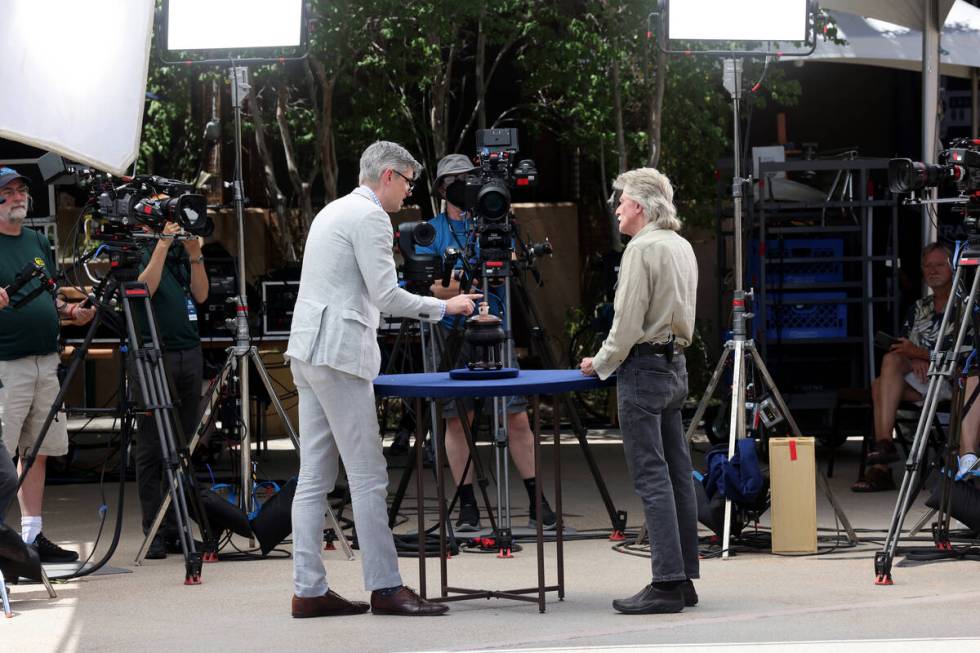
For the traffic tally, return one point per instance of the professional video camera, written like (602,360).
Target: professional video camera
(419,270)
(151,201)
(958,167)
(488,196)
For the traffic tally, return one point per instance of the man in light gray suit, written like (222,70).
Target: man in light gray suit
(348,279)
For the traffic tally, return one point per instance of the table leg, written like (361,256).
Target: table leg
(420,491)
(441,495)
(560,536)
(539,524)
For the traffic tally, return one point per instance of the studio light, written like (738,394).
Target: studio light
(737,20)
(74,77)
(218,25)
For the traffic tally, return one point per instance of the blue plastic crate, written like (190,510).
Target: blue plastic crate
(789,317)
(819,270)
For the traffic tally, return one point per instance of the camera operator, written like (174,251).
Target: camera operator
(654,320)
(452,233)
(29,360)
(177,279)
(904,368)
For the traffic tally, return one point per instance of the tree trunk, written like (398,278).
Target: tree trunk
(481,62)
(325,133)
(618,115)
(656,109)
(280,223)
(301,188)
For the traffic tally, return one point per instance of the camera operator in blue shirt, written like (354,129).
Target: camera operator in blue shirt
(453,232)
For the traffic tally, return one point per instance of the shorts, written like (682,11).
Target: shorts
(30,386)
(516,404)
(945,390)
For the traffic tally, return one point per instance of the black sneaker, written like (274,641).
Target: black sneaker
(549,520)
(173,546)
(469,518)
(158,549)
(48,551)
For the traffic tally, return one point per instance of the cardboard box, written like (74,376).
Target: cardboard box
(792,475)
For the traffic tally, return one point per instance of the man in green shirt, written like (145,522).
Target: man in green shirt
(177,281)
(29,359)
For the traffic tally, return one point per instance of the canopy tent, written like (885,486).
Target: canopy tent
(927,16)
(875,42)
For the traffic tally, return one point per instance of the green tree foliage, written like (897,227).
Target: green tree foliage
(420,73)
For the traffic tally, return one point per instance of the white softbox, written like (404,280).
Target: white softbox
(74,77)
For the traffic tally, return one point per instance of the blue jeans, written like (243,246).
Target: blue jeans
(651,391)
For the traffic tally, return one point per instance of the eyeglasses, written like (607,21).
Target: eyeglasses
(19,190)
(411,182)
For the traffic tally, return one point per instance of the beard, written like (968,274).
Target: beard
(15,217)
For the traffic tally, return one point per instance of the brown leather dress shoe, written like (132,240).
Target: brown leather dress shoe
(330,604)
(405,602)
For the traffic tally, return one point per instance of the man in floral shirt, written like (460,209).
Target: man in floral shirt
(904,368)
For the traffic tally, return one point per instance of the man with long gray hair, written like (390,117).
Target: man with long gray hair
(348,278)
(653,323)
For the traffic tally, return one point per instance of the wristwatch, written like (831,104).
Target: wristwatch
(199,260)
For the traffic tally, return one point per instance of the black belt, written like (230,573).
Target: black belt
(666,349)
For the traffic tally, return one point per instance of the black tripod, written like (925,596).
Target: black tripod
(539,344)
(943,367)
(120,287)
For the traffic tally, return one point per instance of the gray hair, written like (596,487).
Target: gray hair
(652,191)
(936,247)
(385,155)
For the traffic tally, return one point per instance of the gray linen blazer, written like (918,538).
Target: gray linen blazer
(348,279)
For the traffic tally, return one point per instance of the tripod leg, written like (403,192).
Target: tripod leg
(479,474)
(47,585)
(4,598)
(539,339)
(709,391)
(736,430)
(253,354)
(256,359)
(821,478)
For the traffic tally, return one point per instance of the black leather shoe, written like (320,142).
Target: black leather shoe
(651,600)
(690,596)
(157,550)
(330,604)
(405,602)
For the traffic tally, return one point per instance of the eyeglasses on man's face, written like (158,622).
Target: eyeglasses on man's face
(411,182)
(10,191)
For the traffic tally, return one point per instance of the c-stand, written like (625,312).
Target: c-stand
(120,287)
(943,368)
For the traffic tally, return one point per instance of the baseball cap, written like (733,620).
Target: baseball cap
(8,175)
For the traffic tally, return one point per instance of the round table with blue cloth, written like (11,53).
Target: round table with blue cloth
(528,382)
(435,385)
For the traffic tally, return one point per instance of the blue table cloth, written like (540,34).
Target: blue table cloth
(528,382)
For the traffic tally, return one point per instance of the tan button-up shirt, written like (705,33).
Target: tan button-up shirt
(655,296)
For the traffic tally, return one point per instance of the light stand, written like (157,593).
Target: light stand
(242,352)
(741,345)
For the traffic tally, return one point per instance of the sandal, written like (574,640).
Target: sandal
(884,453)
(876,479)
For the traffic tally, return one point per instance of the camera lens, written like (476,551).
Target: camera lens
(493,201)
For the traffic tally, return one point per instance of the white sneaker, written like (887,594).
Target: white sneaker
(967,466)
